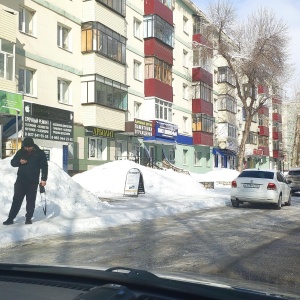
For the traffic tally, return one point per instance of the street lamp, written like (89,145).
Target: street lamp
(17,124)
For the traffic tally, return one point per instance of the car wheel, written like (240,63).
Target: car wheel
(288,203)
(235,203)
(279,203)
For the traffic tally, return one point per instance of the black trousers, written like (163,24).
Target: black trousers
(22,189)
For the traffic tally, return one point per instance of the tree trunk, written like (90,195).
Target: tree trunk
(241,152)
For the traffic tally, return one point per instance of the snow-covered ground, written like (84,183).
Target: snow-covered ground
(95,198)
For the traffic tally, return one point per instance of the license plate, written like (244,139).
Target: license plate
(251,185)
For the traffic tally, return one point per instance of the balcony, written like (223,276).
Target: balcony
(152,47)
(276,100)
(202,106)
(155,7)
(198,38)
(277,153)
(199,74)
(202,138)
(265,150)
(277,135)
(263,111)
(263,130)
(156,88)
(277,117)
(262,89)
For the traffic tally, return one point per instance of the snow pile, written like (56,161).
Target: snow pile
(77,204)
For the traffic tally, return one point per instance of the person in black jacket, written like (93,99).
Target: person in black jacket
(30,160)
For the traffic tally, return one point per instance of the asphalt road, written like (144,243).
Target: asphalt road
(250,242)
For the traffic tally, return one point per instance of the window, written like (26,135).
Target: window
(252,138)
(121,149)
(101,39)
(202,91)
(117,5)
(172,155)
(185,25)
(63,37)
(202,57)
(232,131)
(158,69)
(185,59)
(155,26)
(163,110)
(168,3)
(184,91)
(104,91)
(197,158)
(207,160)
(185,126)
(202,122)
(97,148)
(226,75)
(7,59)
(227,103)
(137,70)
(25,84)
(137,107)
(63,94)
(185,159)
(26,20)
(137,32)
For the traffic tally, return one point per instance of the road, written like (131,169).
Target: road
(250,242)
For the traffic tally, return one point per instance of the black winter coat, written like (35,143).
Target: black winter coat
(36,161)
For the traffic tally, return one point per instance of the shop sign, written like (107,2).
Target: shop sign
(48,123)
(142,128)
(10,103)
(166,130)
(99,132)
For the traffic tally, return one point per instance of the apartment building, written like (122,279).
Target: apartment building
(98,81)
(46,73)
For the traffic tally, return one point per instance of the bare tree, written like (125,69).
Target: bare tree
(256,52)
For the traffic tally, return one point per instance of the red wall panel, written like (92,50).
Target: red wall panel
(263,130)
(156,88)
(202,106)
(199,74)
(202,138)
(155,7)
(153,47)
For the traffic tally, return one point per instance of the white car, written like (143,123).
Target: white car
(260,186)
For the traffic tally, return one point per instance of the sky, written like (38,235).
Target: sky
(95,199)
(287,10)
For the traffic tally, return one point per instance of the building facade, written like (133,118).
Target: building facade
(98,81)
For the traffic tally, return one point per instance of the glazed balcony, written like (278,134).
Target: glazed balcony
(202,138)
(155,48)
(155,7)
(263,130)
(199,74)
(156,88)
(202,106)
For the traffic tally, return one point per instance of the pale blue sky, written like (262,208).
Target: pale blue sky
(288,10)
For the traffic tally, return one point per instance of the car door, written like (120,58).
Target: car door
(284,187)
